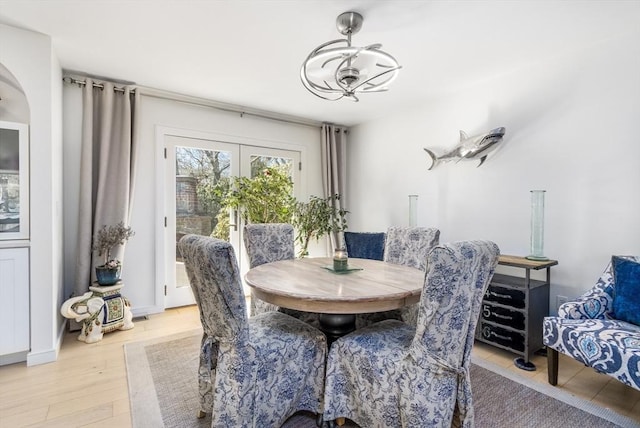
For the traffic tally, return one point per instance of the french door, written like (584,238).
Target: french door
(194,168)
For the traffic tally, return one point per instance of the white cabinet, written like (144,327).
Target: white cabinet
(14,304)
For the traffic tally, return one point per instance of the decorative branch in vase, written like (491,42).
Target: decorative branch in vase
(316,218)
(104,242)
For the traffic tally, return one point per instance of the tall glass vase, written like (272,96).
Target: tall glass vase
(537,225)
(413,210)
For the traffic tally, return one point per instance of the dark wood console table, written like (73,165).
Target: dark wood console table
(513,309)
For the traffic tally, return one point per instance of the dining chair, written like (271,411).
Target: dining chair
(407,246)
(254,372)
(365,245)
(267,243)
(392,374)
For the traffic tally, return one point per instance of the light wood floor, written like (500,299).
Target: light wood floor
(87,386)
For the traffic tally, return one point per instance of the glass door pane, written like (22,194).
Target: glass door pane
(199,168)
(254,160)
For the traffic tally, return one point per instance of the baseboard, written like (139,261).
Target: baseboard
(16,357)
(141,311)
(48,356)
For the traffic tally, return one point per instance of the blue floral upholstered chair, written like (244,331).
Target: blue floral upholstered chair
(254,372)
(407,246)
(391,374)
(266,243)
(598,329)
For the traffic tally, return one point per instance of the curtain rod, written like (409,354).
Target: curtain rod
(188,99)
(71,80)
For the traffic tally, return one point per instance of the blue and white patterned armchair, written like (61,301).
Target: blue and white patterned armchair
(391,374)
(586,331)
(254,372)
(407,246)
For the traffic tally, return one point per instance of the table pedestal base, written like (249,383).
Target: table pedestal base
(335,326)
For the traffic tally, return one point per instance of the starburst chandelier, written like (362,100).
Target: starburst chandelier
(336,70)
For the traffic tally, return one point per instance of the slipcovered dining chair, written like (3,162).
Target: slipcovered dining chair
(407,246)
(254,372)
(267,243)
(391,374)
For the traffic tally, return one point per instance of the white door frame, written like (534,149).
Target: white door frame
(161,198)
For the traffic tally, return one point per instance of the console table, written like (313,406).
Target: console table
(513,309)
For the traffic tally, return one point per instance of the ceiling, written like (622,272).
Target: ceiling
(249,52)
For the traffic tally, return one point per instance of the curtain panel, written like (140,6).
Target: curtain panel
(334,160)
(334,163)
(107,170)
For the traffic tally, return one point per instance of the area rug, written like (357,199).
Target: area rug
(163,393)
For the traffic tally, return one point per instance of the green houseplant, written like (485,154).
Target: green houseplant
(316,218)
(105,240)
(265,198)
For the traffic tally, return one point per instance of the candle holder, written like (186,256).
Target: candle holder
(340,260)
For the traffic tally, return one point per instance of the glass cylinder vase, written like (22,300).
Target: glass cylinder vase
(537,225)
(413,210)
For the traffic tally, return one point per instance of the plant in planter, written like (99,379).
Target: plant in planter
(316,218)
(105,240)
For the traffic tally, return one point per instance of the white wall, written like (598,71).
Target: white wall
(572,126)
(30,58)
(140,262)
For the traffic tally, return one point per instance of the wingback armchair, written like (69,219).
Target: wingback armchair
(588,330)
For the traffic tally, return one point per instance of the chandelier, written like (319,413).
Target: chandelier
(336,69)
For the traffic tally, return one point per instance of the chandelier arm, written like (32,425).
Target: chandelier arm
(308,86)
(324,45)
(313,86)
(308,83)
(373,87)
(329,60)
(303,71)
(324,98)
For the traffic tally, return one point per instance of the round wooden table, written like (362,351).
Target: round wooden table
(307,285)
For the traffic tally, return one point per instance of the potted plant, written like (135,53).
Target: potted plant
(105,240)
(316,218)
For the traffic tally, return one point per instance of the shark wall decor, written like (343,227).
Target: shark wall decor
(476,147)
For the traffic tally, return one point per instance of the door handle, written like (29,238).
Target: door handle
(233,219)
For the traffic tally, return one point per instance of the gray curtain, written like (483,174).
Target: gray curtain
(334,163)
(107,170)
(334,160)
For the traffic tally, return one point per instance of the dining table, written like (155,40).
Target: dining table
(311,284)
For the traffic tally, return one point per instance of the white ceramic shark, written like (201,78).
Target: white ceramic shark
(476,147)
